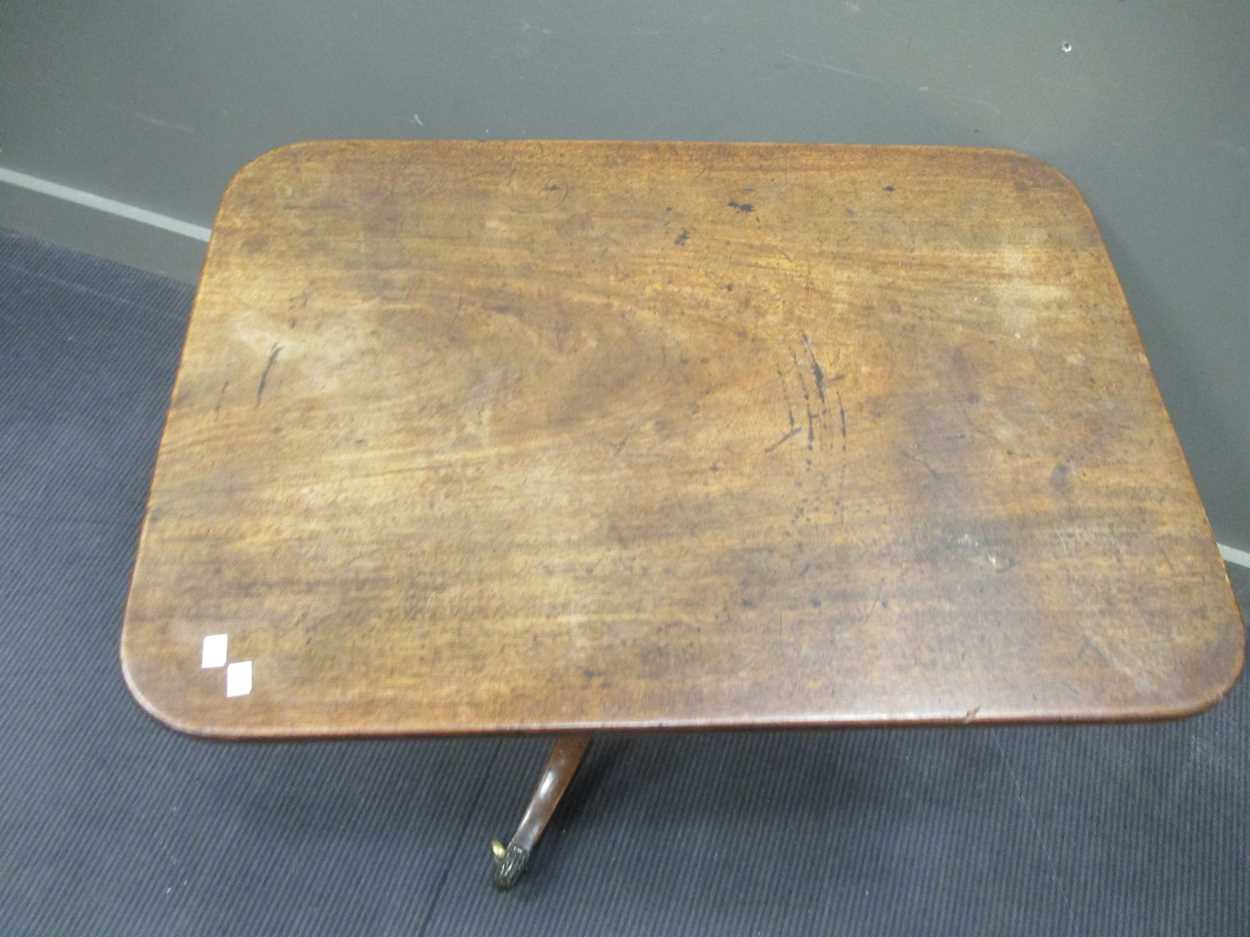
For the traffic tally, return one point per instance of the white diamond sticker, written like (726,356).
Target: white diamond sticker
(239,678)
(213,651)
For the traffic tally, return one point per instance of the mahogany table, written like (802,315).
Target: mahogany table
(561,437)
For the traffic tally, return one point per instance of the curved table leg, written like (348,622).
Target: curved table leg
(562,764)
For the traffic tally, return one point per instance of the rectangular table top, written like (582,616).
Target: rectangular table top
(541,436)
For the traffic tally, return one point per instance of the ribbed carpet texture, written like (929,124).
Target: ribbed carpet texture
(111,824)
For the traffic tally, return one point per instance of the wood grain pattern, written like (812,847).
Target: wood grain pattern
(537,436)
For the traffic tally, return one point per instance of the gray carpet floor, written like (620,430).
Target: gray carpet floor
(111,824)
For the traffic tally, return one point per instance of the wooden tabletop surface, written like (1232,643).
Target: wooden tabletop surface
(542,436)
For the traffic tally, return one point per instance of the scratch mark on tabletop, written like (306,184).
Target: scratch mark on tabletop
(807,402)
(264,375)
(875,602)
(794,431)
(221,395)
(619,445)
(785,394)
(556,187)
(841,498)
(745,207)
(919,461)
(842,417)
(819,375)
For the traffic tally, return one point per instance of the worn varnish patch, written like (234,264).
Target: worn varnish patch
(532,436)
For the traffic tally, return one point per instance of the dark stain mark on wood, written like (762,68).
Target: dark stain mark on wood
(745,207)
(551,188)
(888,188)
(1060,479)
(264,375)
(682,238)
(221,396)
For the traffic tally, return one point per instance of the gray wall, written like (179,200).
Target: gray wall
(1148,111)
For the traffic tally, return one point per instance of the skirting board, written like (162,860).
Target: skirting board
(103,227)
(1235,556)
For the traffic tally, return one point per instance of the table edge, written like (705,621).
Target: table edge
(1195,704)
